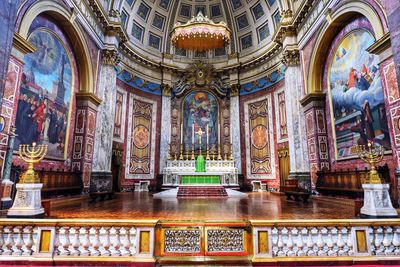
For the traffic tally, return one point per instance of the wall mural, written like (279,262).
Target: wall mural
(357,100)
(201,109)
(45,95)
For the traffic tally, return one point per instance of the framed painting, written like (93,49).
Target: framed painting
(356,96)
(44,105)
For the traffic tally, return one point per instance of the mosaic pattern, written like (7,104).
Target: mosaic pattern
(143,11)
(242,21)
(137,31)
(185,11)
(263,32)
(215,11)
(158,21)
(154,41)
(246,41)
(182,241)
(236,4)
(257,11)
(263,83)
(221,240)
(201,9)
(164,4)
(138,83)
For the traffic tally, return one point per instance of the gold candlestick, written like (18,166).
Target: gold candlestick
(169,151)
(231,156)
(208,153)
(371,155)
(192,152)
(181,154)
(219,152)
(31,155)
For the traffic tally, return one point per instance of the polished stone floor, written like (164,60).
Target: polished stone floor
(257,205)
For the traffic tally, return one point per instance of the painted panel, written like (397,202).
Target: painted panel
(356,96)
(44,106)
(200,108)
(257,11)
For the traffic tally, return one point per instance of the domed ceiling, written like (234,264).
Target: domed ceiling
(149,23)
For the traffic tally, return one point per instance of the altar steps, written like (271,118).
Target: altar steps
(202,192)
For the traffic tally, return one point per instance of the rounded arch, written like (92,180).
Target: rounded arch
(64,17)
(342,14)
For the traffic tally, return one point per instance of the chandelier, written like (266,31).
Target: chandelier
(200,34)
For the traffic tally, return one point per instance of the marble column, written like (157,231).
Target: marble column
(8,13)
(299,165)
(106,90)
(165,132)
(235,125)
(393,10)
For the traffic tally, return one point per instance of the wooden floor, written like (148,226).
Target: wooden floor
(264,206)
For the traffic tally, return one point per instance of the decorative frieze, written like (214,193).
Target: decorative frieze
(182,241)
(225,240)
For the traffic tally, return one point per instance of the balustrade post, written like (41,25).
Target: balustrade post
(76,243)
(117,243)
(96,241)
(9,241)
(320,243)
(86,242)
(66,243)
(310,242)
(106,243)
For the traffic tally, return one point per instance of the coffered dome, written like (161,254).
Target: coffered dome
(149,24)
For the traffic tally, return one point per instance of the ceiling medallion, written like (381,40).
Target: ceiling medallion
(200,34)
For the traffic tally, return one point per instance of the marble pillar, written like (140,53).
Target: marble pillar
(165,132)
(102,152)
(393,10)
(8,13)
(235,126)
(299,165)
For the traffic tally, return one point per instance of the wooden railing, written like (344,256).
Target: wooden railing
(198,241)
(346,182)
(56,182)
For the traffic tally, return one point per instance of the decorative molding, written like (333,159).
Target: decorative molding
(110,57)
(235,88)
(313,98)
(380,45)
(291,57)
(22,44)
(87,96)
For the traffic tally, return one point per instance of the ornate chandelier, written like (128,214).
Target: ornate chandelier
(200,34)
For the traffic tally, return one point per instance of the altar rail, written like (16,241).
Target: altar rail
(51,240)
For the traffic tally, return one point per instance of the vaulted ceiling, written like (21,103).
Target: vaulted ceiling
(149,23)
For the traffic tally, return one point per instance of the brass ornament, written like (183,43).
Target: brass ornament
(371,154)
(31,155)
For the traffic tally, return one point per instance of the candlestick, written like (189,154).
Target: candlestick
(181,133)
(219,132)
(193,134)
(181,155)
(207,133)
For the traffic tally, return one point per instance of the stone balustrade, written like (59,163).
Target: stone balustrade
(260,241)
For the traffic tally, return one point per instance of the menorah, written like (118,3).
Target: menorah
(31,155)
(372,154)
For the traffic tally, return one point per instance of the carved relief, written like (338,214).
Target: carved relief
(225,240)
(182,241)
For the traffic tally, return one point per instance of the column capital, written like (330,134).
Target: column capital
(110,57)
(235,88)
(166,89)
(87,99)
(313,100)
(291,57)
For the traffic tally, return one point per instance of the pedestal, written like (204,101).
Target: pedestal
(27,202)
(377,201)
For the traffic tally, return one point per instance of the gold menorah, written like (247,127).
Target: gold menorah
(31,155)
(372,154)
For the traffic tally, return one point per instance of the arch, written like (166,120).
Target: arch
(65,18)
(342,14)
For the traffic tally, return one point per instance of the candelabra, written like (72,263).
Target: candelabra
(219,152)
(31,155)
(208,153)
(192,152)
(231,155)
(372,154)
(181,154)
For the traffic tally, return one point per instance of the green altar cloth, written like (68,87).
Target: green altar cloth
(200,179)
(200,164)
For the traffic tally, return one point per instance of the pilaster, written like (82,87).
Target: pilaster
(165,131)
(299,164)
(235,125)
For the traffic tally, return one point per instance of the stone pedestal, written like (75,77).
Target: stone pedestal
(377,201)
(27,202)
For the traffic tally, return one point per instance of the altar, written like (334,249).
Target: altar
(183,172)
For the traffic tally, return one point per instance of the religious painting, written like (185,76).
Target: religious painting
(154,41)
(143,11)
(215,11)
(356,96)
(246,41)
(137,31)
(257,11)
(45,95)
(158,21)
(242,21)
(200,111)
(263,32)
(185,11)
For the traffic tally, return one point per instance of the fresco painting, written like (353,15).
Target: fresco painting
(201,109)
(45,95)
(357,100)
